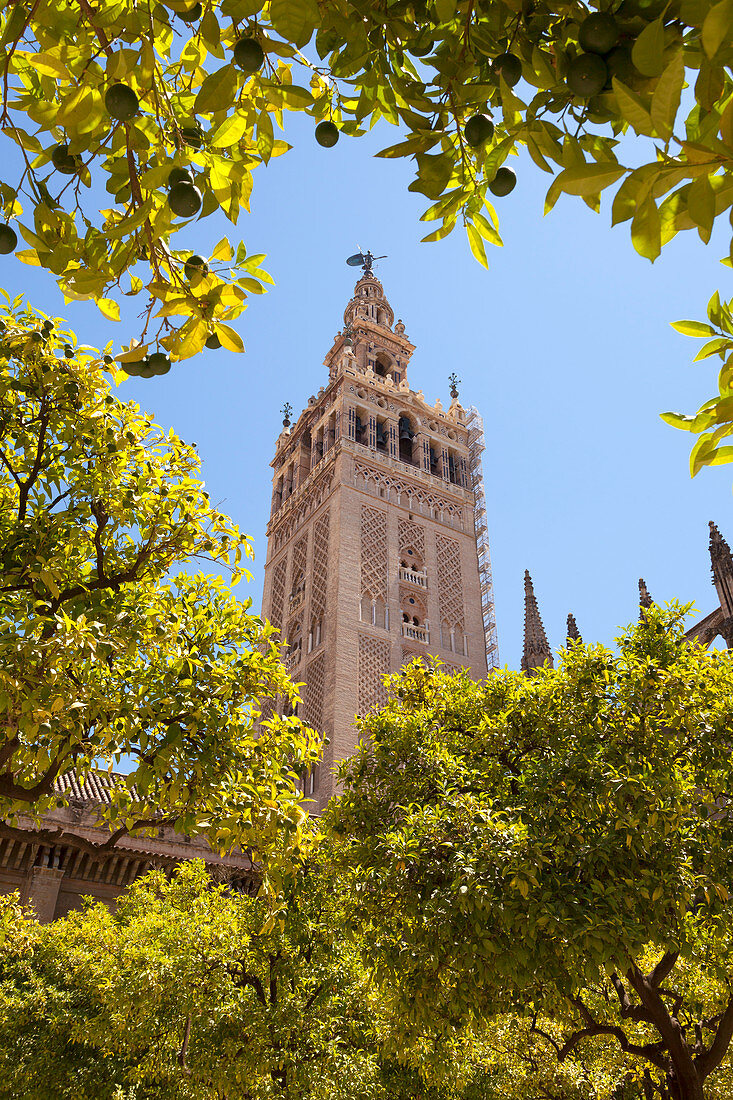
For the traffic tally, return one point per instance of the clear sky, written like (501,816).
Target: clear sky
(564,345)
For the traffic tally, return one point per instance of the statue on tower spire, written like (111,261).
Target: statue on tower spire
(364,260)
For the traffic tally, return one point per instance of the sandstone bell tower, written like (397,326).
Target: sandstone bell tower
(377,546)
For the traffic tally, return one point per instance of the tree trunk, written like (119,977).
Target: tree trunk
(687,1087)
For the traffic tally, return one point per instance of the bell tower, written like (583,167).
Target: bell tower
(377,544)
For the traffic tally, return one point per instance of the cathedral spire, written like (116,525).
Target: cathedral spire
(537,651)
(572,632)
(722,563)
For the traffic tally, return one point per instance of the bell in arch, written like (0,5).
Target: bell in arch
(381,435)
(406,431)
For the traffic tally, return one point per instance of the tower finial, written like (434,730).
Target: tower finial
(537,651)
(573,632)
(286,411)
(454,384)
(722,563)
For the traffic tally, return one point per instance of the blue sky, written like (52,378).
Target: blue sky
(564,345)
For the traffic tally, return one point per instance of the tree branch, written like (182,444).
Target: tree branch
(243,977)
(712,1058)
(664,967)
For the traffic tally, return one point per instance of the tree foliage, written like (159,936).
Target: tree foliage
(559,845)
(105,655)
(235,1004)
(595,113)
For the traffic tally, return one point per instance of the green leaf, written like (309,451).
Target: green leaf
(648,51)
(295,20)
(632,109)
(223,250)
(701,206)
(229,337)
(718,27)
(589,179)
(477,245)
(218,91)
(666,98)
(109,308)
(693,328)
(231,130)
(679,420)
(713,347)
(646,230)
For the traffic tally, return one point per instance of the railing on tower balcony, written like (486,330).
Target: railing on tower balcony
(417,577)
(416,633)
(290,660)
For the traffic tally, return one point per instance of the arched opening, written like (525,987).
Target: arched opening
(305,449)
(406,436)
(453,468)
(382,365)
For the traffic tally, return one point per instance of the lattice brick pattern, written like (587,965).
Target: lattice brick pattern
(278,594)
(373,664)
(320,565)
(300,553)
(313,693)
(450,582)
(393,488)
(373,553)
(412,537)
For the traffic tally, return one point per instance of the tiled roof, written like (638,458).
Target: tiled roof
(95,788)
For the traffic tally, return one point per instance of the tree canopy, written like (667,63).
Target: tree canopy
(235,1004)
(111,646)
(557,845)
(115,98)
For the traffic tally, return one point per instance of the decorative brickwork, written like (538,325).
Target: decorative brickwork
(313,693)
(374,568)
(450,583)
(309,496)
(373,664)
(320,565)
(397,491)
(277,602)
(412,537)
(300,555)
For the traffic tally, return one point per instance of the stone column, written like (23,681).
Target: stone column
(42,891)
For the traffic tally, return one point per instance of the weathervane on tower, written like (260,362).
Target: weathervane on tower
(364,260)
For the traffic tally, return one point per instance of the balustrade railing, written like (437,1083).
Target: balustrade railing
(414,576)
(416,633)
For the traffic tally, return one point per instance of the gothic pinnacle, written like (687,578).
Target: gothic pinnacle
(572,631)
(722,563)
(537,651)
(645,599)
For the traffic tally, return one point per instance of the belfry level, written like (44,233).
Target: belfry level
(377,545)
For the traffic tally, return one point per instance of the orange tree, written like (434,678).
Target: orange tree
(559,847)
(170,107)
(103,654)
